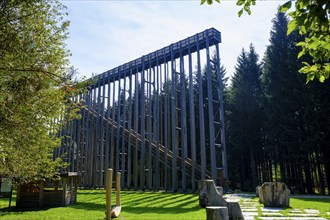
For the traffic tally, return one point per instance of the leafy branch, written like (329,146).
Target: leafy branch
(311,18)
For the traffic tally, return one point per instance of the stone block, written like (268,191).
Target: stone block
(217,213)
(257,191)
(274,194)
(234,210)
(210,196)
(220,190)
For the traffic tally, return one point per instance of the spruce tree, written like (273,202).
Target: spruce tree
(293,124)
(245,120)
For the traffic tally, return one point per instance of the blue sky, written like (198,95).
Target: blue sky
(106,34)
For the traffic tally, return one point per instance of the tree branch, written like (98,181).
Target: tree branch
(51,75)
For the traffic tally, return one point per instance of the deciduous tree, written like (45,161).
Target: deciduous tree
(35,84)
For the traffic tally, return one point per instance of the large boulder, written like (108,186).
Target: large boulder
(274,194)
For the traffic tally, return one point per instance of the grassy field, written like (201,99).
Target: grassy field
(321,204)
(137,205)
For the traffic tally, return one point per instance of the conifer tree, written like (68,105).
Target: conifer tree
(245,120)
(293,113)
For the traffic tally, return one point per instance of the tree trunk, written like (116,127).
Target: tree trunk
(253,170)
(309,184)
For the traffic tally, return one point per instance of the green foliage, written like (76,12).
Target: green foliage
(293,133)
(35,83)
(246,6)
(210,2)
(244,120)
(312,20)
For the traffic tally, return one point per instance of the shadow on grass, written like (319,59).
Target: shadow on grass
(17,211)
(133,202)
(146,202)
(137,209)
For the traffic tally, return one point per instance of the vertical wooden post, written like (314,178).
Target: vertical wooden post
(201,112)
(129,146)
(173,123)
(143,126)
(108,194)
(136,128)
(222,118)
(118,189)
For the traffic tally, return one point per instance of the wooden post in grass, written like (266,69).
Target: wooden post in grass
(108,194)
(118,189)
(115,212)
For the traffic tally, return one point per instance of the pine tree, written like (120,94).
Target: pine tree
(245,120)
(292,126)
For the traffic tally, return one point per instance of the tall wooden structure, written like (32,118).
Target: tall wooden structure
(158,120)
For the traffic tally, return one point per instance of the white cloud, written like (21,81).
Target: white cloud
(106,34)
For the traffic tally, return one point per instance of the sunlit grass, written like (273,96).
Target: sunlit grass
(140,205)
(321,204)
(135,205)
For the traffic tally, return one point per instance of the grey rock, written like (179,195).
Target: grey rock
(274,194)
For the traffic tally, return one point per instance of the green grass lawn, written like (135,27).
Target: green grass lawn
(321,204)
(137,205)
